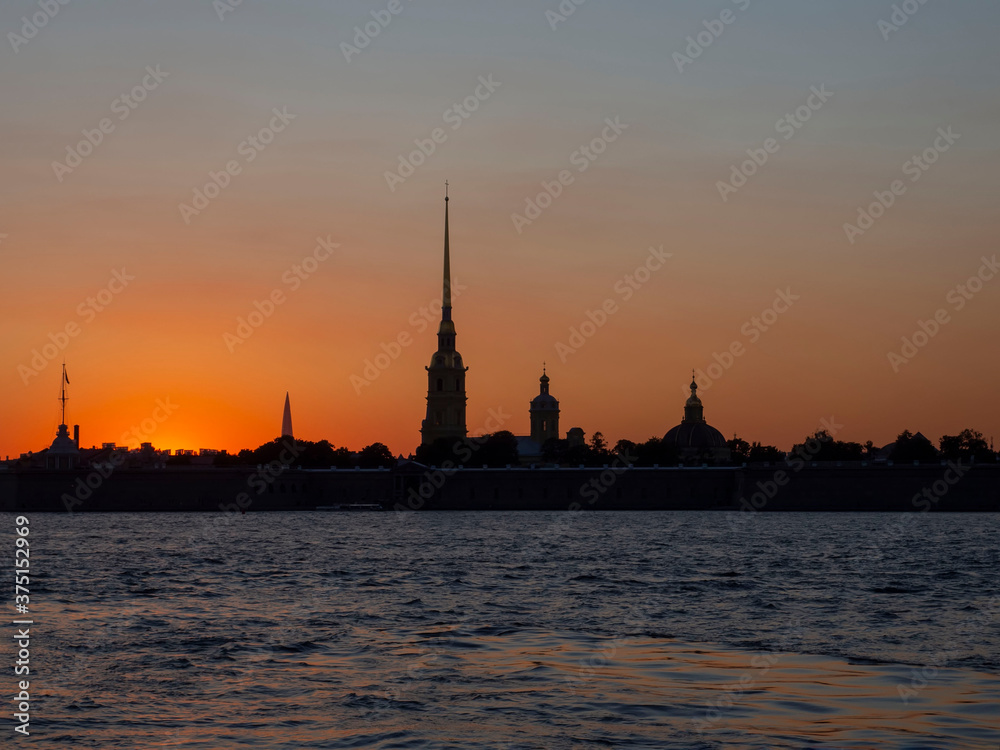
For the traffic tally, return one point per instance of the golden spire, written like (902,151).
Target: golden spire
(446,299)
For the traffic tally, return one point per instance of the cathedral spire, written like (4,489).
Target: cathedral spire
(446,331)
(446,297)
(446,398)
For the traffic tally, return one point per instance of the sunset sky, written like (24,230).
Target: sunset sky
(209,84)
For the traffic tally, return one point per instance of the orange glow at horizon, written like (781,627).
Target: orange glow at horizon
(169,334)
(628,380)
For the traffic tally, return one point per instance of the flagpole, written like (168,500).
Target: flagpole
(62,396)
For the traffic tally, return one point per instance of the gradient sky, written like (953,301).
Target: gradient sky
(162,336)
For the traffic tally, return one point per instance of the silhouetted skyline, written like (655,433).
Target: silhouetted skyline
(173,179)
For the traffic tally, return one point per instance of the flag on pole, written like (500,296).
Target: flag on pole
(65,376)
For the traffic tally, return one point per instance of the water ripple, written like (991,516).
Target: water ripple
(500,631)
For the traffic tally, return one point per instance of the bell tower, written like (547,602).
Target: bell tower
(446,397)
(544,413)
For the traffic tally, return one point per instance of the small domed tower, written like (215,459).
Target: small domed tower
(544,413)
(694,437)
(694,411)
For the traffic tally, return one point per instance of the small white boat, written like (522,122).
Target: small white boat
(351,506)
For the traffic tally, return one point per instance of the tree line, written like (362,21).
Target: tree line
(499,449)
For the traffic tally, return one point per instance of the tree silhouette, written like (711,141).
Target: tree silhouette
(820,446)
(738,448)
(968,445)
(910,447)
(375,455)
(760,453)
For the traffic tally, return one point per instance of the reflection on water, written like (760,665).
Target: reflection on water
(516,631)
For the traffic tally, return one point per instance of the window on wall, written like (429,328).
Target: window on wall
(440,384)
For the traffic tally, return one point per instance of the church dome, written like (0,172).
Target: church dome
(697,435)
(694,434)
(544,400)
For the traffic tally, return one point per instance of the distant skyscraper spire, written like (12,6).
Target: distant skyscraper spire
(286,418)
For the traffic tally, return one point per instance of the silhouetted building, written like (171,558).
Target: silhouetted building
(543,416)
(286,418)
(544,413)
(64,453)
(694,437)
(446,397)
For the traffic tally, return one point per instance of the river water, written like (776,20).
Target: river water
(514,630)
